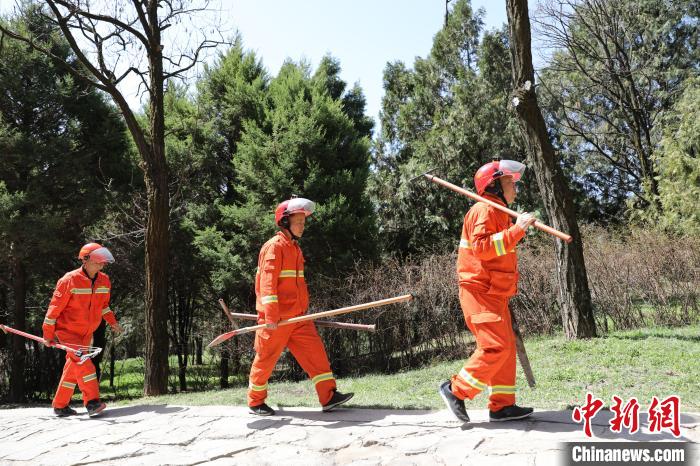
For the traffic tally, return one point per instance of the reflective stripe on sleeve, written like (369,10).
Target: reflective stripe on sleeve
(48,321)
(498,245)
(464,244)
(269,299)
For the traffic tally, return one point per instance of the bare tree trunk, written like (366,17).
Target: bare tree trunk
(574,295)
(198,343)
(157,238)
(182,366)
(17,364)
(156,351)
(112,361)
(223,372)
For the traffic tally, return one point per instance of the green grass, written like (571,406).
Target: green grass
(640,363)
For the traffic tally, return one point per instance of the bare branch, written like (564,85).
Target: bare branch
(68,34)
(207,44)
(131,69)
(56,58)
(140,7)
(106,83)
(129,27)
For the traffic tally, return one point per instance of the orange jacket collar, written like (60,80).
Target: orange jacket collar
(494,198)
(286,238)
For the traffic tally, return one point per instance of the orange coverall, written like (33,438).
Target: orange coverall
(77,307)
(487,268)
(281,293)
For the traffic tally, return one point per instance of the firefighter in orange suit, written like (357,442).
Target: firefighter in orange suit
(78,305)
(487,269)
(281,293)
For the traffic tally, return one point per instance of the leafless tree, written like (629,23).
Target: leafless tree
(574,295)
(114,42)
(621,65)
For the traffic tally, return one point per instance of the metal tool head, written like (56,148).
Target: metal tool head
(422,175)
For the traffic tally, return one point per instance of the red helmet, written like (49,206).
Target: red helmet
(292,206)
(97,252)
(494,170)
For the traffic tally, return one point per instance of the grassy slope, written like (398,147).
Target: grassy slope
(639,363)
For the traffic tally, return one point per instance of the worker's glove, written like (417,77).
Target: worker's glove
(524,220)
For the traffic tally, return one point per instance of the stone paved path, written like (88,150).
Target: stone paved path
(223,435)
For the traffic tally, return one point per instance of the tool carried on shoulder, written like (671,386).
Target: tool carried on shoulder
(465,192)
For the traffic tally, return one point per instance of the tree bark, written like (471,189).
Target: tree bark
(574,295)
(198,345)
(223,372)
(157,241)
(112,361)
(19,349)
(182,367)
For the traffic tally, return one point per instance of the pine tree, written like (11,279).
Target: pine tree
(61,144)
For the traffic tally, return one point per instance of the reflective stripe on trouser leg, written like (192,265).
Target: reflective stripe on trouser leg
(66,386)
(269,345)
(307,348)
(485,316)
(87,381)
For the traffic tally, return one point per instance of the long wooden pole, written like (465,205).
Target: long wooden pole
(228,313)
(465,192)
(79,353)
(522,354)
(344,325)
(317,315)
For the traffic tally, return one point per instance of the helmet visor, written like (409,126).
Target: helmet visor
(512,168)
(102,256)
(299,204)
